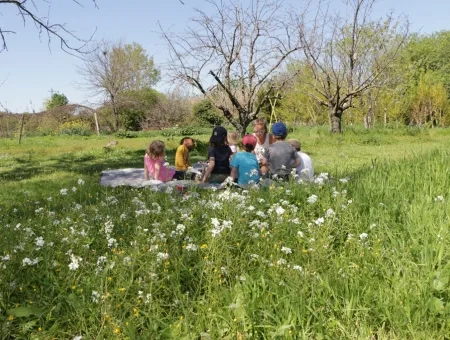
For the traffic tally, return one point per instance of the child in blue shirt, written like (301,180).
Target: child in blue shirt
(244,165)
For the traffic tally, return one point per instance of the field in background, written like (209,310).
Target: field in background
(364,255)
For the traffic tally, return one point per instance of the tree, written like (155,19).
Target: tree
(56,100)
(240,48)
(28,11)
(206,113)
(137,106)
(114,68)
(348,55)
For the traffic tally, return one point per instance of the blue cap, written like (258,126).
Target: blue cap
(279,129)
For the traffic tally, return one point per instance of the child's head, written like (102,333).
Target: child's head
(156,149)
(279,131)
(233,138)
(296,144)
(249,142)
(188,142)
(219,136)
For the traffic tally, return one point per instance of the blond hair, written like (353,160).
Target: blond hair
(295,143)
(260,121)
(233,138)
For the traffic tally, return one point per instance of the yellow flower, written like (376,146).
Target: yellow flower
(117,331)
(122,290)
(204,246)
(10,318)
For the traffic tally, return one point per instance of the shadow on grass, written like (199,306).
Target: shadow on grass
(89,164)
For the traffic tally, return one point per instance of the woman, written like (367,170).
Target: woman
(263,138)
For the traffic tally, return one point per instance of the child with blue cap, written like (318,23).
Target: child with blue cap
(280,158)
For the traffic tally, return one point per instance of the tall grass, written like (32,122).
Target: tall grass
(363,255)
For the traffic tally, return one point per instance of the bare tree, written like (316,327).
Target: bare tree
(231,54)
(349,54)
(114,68)
(28,11)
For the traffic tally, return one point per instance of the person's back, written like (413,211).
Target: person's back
(244,165)
(280,157)
(305,170)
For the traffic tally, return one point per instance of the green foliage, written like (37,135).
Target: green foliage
(57,100)
(206,114)
(136,106)
(126,134)
(75,128)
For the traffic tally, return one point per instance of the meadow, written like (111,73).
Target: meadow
(362,253)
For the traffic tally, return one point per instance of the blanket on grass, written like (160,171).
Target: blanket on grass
(135,178)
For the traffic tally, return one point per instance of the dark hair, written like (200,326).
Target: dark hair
(156,149)
(184,138)
(280,137)
(249,147)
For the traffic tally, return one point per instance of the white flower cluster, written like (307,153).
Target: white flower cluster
(75,262)
(218,226)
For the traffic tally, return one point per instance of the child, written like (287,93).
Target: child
(305,170)
(182,161)
(233,141)
(280,157)
(244,165)
(154,163)
(219,154)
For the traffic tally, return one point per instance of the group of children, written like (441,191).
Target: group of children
(225,158)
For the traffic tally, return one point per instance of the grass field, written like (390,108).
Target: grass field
(365,255)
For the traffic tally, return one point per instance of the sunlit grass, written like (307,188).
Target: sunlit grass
(363,256)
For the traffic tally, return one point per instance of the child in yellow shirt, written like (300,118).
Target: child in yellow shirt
(182,161)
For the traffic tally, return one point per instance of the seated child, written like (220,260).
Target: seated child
(233,138)
(182,161)
(219,154)
(280,157)
(154,163)
(244,165)
(305,170)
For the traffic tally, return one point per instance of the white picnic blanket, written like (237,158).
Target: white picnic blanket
(135,178)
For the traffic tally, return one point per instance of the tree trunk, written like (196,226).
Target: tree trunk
(335,119)
(116,113)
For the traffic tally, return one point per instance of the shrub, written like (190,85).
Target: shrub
(75,128)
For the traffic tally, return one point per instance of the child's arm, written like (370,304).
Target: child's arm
(157,170)
(209,169)
(146,171)
(234,173)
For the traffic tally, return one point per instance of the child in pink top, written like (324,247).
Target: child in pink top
(154,163)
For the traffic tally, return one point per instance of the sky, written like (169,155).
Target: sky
(31,67)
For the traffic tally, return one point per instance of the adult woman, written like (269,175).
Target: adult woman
(263,138)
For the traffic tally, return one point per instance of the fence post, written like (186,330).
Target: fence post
(21,127)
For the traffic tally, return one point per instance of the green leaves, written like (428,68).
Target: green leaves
(22,312)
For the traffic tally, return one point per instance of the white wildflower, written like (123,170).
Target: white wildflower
(329,213)
(286,250)
(39,242)
(63,191)
(319,221)
(312,199)
(95,296)
(191,247)
(80,181)
(75,264)
(363,236)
